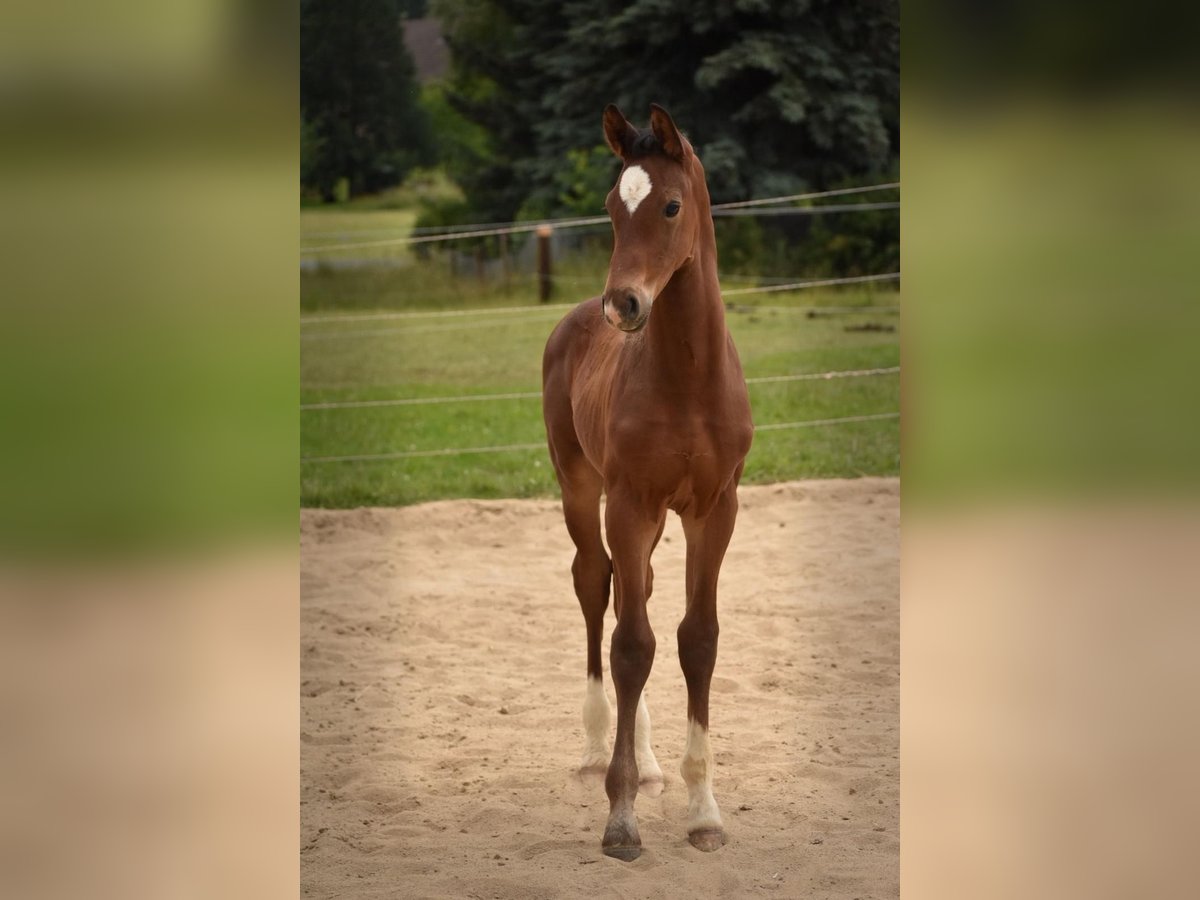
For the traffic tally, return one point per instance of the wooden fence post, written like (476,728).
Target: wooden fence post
(504,270)
(543,260)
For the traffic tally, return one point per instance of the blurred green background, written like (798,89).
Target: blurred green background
(148,356)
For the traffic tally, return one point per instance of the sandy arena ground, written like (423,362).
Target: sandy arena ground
(442,667)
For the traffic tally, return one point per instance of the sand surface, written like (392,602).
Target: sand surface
(442,667)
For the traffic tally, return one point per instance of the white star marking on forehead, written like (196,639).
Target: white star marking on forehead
(635,186)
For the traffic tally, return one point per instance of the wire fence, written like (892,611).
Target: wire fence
(542,308)
(739,204)
(541,445)
(545,315)
(739,207)
(824,210)
(803,285)
(532,395)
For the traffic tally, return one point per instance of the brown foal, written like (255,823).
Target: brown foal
(645,402)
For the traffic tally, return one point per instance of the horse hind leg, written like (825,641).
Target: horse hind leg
(697,655)
(650,775)
(592,575)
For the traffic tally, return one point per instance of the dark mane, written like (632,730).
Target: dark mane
(643,144)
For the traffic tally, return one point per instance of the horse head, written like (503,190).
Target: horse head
(656,207)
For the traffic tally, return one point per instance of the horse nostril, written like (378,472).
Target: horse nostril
(633,306)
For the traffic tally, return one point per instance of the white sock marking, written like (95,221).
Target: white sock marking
(648,768)
(634,188)
(696,770)
(597,717)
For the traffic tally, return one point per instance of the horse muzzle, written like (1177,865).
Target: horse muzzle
(626,309)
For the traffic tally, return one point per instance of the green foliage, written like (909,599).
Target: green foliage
(358,96)
(310,151)
(851,243)
(458,143)
(480,35)
(585,180)
(864,243)
(778,97)
(421,186)
(743,246)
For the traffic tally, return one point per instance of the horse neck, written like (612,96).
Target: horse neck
(686,331)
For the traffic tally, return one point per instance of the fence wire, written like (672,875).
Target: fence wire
(718,209)
(531,395)
(541,445)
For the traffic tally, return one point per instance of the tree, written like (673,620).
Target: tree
(359,95)
(778,97)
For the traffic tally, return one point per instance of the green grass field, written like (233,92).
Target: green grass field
(346,357)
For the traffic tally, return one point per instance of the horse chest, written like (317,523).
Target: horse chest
(684,458)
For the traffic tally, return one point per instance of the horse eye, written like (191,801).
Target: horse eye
(672,209)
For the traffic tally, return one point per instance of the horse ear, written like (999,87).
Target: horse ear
(674,144)
(617,130)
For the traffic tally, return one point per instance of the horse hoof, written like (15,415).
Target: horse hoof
(650,787)
(625,854)
(707,839)
(592,775)
(621,840)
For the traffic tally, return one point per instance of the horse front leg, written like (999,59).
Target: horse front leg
(650,776)
(697,635)
(631,533)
